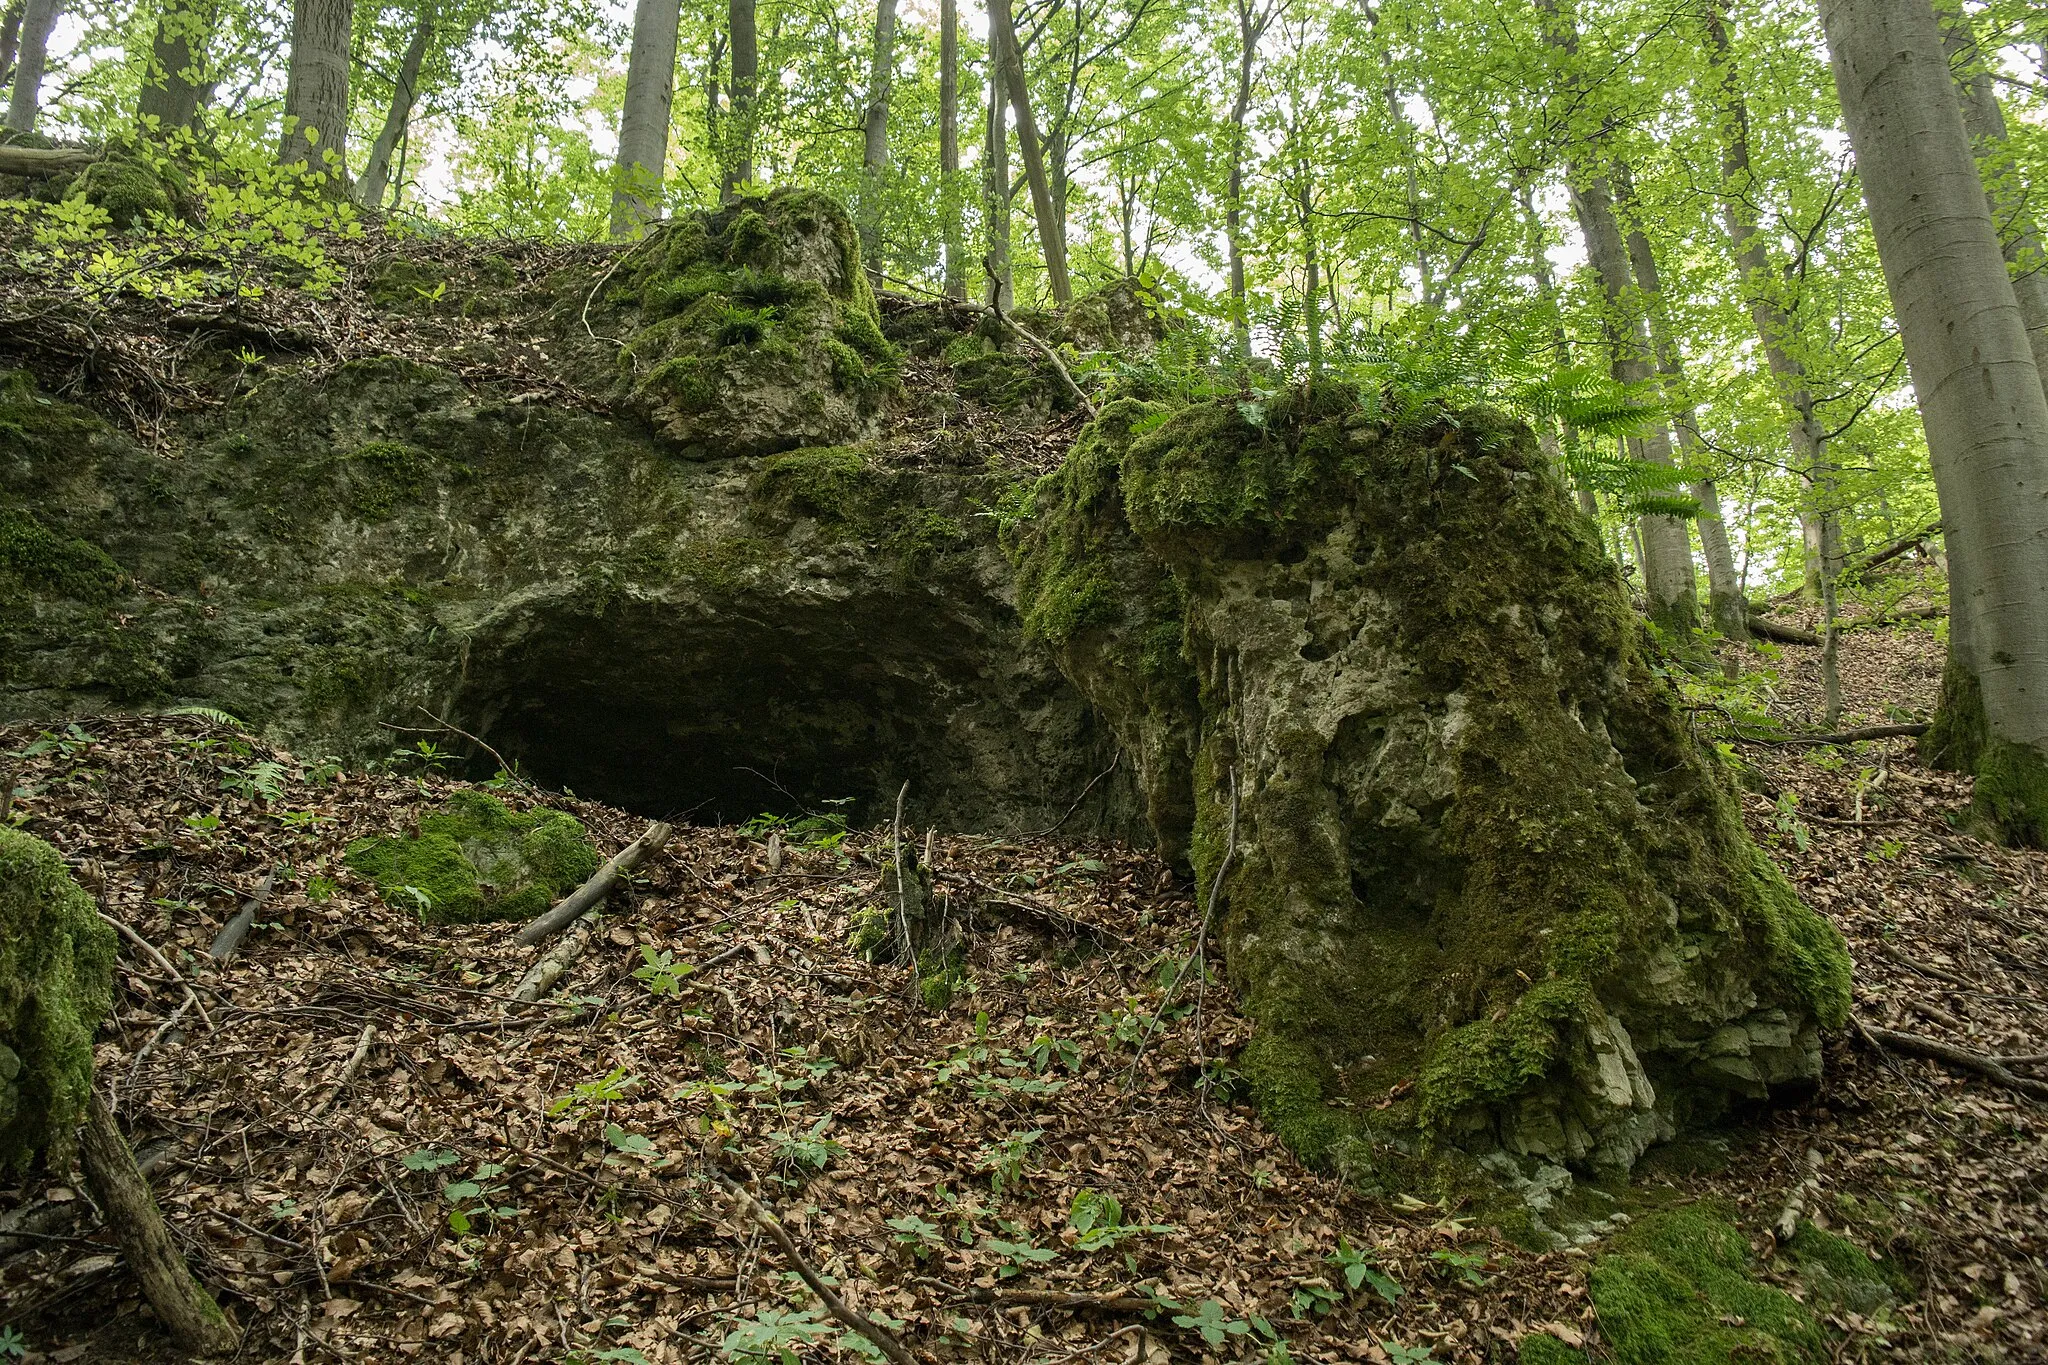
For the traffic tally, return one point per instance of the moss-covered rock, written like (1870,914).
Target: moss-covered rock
(753,330)
(1680,1288)
(1482,887)
(475,859)
(130,190)
(56,984)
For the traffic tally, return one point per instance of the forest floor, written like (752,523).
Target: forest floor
(504,1183)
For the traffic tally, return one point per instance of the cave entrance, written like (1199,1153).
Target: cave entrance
(789,706)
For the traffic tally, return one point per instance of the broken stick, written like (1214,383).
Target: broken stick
(235,930)
(1936,1050)
(579,902)
(541,977)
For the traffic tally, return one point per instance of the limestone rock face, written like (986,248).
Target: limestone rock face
(1482,890)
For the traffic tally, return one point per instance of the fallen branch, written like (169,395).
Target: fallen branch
(1055,825)
(1936,1050)
(836,1306)
(20,1228)
(1840,736)
(1893,618)
(541,977)
(181,1303)
(1783,634)
(156,956)
(1052,1298)
(1892,551)
(41,161)
(348,1072)
(235,930)
(1052,916)
(578,902)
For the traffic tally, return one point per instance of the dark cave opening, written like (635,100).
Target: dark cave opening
(799,705)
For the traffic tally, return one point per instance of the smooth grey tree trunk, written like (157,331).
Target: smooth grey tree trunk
(746,71)
(1775,328)
(2018,225)
(874,158)
(996,186)
(175,86)
(949,146)
(1670,591)
(1980,392)
(376,176)
(316,91)
(25,100)
(10,38)
(1730,613)
(643,122)
(1052,233)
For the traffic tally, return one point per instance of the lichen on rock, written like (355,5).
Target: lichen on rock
(56,984)
(1486,894)
(753,329)
(475,860)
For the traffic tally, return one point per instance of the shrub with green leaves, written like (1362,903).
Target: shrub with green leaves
(475,860)
(56,984)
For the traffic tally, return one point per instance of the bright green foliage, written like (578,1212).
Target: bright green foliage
(475,859)
(56,984)
(1680,1288)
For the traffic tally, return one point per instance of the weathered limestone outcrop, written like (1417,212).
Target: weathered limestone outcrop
(1482,889)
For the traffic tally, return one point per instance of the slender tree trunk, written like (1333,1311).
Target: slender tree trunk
(1312,293)
(1730,613)
(1774,325)
(316,91)
(2018,227)
(746,62)
(10,38)
(1981,395)
(949,147)
(875,133)
(1052,238)
(175,86)
(644,121)
(25,100)
(193,1319)
(1250,28)
(1668,584)
(376,176)
(996,185)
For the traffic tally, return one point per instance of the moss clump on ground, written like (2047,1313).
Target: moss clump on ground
(129,190)
(834,484)
(1484,877)
(56,984)
(1544,1349)
(758,330)
(1680,1288)
(476,860)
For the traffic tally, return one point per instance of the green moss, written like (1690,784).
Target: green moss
(1837,1272)
(400,283)
(2011,796)
(1544,1349)
(383,474)
(56,984)
(1286,1080)
(1679,1289)
(46,561)
(1492,1060)
(1956,739)
(724,562)
(1807,953)
(129,190)
(475,859)
(834,484)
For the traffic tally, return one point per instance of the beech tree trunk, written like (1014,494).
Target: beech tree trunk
(187,1311)
(24,102)
(316,91)
(1052,237)
(1671,593)
(10,38)
(1730,613)
(996,185)
(875,133)
(643,123)
(176,85)
(746,63)
(376,176)
(1980,394)
(2018,227)
(949,146)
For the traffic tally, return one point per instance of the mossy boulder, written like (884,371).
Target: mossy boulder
(1681,1288)
(1484,893)
(129,189)
(476,859)
(56,984)
(753,329)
